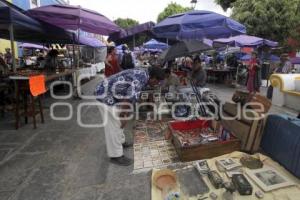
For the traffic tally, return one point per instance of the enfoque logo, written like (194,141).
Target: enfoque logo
(123,111)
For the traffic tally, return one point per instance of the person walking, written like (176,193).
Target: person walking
(111,63)
(127,59)
(253,82)
(199,75)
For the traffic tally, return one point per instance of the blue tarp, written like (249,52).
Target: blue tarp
(198,25)
(281,141)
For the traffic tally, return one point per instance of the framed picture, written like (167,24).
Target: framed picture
(228,164)
(202,166)
(268,179)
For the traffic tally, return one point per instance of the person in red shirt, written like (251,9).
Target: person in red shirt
(111,63)
(254,79)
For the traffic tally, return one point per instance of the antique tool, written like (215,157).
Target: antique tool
(215,179)
(166,181)
(242,184)
(251,163)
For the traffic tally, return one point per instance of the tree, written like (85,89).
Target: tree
(126,23)
(276,20)
(172,9)
(225,4)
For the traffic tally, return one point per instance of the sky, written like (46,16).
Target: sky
(141,10)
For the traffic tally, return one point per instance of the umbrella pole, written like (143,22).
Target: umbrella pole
(78,36)
(73,48)
(12,38)
(94,55)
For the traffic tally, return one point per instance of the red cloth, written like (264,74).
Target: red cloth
(252,66)
(114,68)
(37,85)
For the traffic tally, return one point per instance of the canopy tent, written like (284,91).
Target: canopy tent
(186,47)
(151,50)
(130,34)
(271,58)
(244,41)
(154,44)
(198,25)
(32,46)
(74,18)
(14,25)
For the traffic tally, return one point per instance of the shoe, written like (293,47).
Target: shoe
(122,161)
(126,145)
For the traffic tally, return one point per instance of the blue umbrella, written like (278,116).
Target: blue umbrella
(154,44)
(198,25)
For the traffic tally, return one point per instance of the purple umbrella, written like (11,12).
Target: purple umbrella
(198,25)
(74,18)
(295,60)
(32,46)
(244,41)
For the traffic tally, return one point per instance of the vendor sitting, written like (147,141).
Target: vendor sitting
(171,82)
(199,75)
(123,87)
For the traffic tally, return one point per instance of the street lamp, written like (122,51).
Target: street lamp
(194,2)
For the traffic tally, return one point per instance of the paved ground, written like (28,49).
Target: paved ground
(62,161)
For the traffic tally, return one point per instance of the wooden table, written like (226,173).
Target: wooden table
(49,76)
(215,73)
(21,81)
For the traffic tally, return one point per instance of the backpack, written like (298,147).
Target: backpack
(127,61)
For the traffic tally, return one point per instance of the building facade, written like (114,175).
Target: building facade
(29,4)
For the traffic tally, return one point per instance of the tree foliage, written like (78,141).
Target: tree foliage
(126,23)
(276,20)
(172,9)
(225,4)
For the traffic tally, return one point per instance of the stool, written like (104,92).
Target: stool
(23,91)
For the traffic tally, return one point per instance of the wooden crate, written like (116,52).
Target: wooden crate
(203,151)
